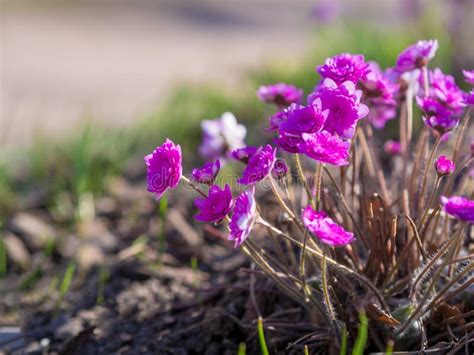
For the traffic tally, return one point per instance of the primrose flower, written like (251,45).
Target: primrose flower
(216,205)
(444,89)
(392,147)
(469,76)
(344,67)
(436,115)
(417,55)
(280,94)
(208,173)
(280,169)
(243,154)
(325,148)
(221,135)
(164,168)
(444,166)
(323,227)
(244,216)
(343,103)
(459,207)
(379,96)
(259,166)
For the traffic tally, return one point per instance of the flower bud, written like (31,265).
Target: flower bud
(392,147)
(280,169)
(444,166)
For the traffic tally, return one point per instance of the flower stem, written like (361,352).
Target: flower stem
(299,167)
(425,171)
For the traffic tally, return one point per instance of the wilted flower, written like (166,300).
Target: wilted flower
(323,227)
(259,166)
(280,169)
(444,166)
(417,55)
(280,94)
(164,168)
(208,173)
(444,89)
(244,216)
(459,207)
(216,205)
(436,115)
(221,135)
(468,76)
(243,154)
(325,148)
(379,96)
(392,147)
(344,67)
(343,103)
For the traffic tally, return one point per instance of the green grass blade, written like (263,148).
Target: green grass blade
(361,340)
(242,349)
(390,345)
(261,337)
(67,279)
(343,350)
(306,350)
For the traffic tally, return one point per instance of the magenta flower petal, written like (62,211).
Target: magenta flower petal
(436,115)
(469,98)
(392,147)
(164,168)
(417,55)
(259,165)
(459,207)
(469,76)
(280,94)
(445,89)
(216,205)
(207,173)
(243,154)
(244,216)
(324,228)
(344,67)
(325,148)
(444,166)
(343,103)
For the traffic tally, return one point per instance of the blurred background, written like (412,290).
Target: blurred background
(88,87)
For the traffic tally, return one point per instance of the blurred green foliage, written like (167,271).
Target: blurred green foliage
(84,162)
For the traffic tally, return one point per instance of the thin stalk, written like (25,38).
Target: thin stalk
(194,186)
(346,206)
(261,337)
(420,148)
(434,192)
(429,164)
(318,183)
(460,137)
(327,299)
(426,83)
(303,177)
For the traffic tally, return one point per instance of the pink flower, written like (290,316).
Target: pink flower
(343,103)
(276,119)
(280,169)
(208,173)
(417,55)
(444,89)
(280,94)
(436,115)
(299,120)
(469,98)
(444,166)
(325,148)
(379,96)
(220,136)
(323,227)
(243,154)
(344,67)
(468,76)
(392,147)
(259,166)
(164,168)
(244,216)
(216,205)
(459,207)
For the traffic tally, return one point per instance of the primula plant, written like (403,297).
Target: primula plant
(364,229)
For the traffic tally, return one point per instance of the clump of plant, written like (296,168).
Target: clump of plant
(360,234)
